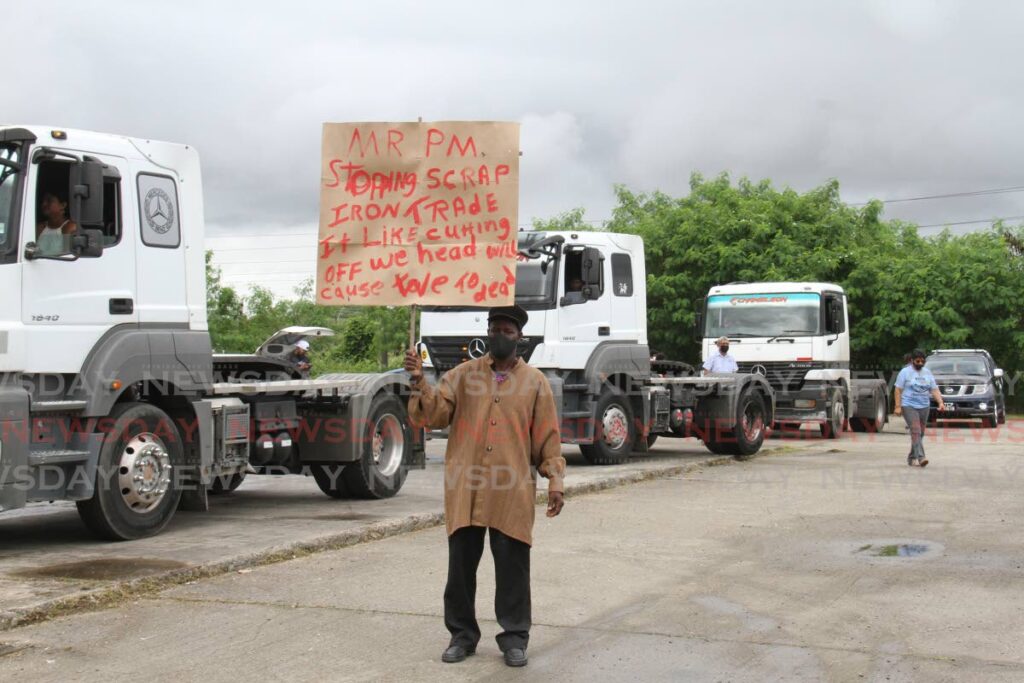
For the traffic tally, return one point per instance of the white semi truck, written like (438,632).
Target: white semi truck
(110,395)
(586,296)
(797,335)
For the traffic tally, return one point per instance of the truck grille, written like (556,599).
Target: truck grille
(782,375)
(447,352)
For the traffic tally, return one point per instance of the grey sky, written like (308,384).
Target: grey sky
(895,98)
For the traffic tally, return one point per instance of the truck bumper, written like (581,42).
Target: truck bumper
(807,404)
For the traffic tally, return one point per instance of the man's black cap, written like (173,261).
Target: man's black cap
(514,313)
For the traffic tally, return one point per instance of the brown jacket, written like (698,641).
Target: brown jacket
(496,432)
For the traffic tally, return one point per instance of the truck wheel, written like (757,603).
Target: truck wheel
(836,419)
(747,436)
(1002,415)
(136,490)
(331,481)
(750,431)
(875,426)
(387,449)
(614,431)
(226,483)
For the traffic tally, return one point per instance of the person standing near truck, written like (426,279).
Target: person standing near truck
(915,386)
(723,362)
(501,419)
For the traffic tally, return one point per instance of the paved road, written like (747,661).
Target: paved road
(787,567)
(47,556)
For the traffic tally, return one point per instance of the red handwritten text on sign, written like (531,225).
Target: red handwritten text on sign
(418,213)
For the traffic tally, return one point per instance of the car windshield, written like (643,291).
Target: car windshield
(9,156)
(957,365)
(763,315)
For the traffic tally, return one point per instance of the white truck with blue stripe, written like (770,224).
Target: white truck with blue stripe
(797,335)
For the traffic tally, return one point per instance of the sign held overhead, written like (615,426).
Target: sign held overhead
(418,213)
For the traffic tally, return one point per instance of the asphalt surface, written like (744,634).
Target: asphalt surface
(47,558)
(829,561)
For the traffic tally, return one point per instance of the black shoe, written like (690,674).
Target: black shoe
(456,653)
(516,656)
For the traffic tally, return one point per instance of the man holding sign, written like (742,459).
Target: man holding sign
(502,422)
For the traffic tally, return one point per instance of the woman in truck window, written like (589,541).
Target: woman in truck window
(53,233)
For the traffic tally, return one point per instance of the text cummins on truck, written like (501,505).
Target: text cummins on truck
(587,300)
(110,395)
(797,335)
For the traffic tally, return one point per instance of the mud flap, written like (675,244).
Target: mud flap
(14,443)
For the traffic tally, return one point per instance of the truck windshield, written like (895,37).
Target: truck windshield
(9,157)
(535,285)
(763,315)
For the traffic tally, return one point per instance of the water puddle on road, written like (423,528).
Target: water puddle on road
(895,550)
(107,569)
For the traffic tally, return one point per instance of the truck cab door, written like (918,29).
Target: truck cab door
(69,303)
(584,308)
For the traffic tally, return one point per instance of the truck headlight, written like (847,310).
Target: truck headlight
(979,388)
(983,406)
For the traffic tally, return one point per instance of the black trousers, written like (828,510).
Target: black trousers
(512,594)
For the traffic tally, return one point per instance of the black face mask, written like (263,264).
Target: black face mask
(500,346)
(724,349)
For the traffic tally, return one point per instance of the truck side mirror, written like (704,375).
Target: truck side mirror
(86,192)
(87,243)
(698,326)
(591,267)
(998,373)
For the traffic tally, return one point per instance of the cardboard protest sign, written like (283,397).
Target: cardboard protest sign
(418,213)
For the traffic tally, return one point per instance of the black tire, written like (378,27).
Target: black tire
(872,426)
(387,449)
(1002,415)
(331,481)
(833,428)
(226,483)
(651,440)
(145,440)
(747,435)
(613,443)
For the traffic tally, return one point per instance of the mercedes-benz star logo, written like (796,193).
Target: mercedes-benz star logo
(477,348)
(759,370)
(159,210)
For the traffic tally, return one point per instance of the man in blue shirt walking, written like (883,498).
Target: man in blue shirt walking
(915,386)
(721,361)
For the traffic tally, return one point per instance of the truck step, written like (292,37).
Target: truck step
(577,413)
(56,456)
(55,406)
(575,387)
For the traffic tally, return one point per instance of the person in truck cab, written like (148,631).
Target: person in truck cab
(721,361)
(53,232)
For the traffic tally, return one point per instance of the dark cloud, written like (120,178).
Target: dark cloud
(894,99)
